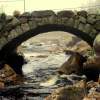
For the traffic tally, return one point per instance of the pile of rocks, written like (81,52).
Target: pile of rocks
(83,89)
(8,76)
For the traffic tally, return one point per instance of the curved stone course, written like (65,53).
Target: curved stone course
(16,29)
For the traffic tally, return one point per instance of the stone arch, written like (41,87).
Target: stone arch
(18,28)
(14,43)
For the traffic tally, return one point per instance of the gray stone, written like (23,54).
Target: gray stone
(12,34)
(70,22)
(44,21)
(81,27)
(26,14)
(66,13)
(97,25)
(14,22)
(89,23)
(82,19)
(38,21)
(63,20)
(32,24)
(25,27)
(19,30)
(52,19)
(82,13)
(23,20)
(87,28)
(76,24)
(91,19)
(41,14)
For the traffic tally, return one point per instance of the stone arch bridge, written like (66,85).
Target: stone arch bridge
(18,28)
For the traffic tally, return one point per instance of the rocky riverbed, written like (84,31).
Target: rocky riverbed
(41,80)
(40,77)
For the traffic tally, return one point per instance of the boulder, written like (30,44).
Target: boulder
(66,13)
(78,46)
(67,93)
(7,74)
(41,14)
(73,64)
(82,13)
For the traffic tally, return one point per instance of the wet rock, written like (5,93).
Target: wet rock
(8,76)
(56,81)
(67,93)
(72,65)
(87,28)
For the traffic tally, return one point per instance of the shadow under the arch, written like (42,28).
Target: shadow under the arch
(8,52)
(14,43)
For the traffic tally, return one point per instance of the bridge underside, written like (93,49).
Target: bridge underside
(12,45)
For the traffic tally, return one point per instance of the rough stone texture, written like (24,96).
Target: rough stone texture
(97,25)
(82,20)
(12,26)
(41,14)
(25,27)
(68,14)
(72,65)
(81,27)
(12,34)
(67,93)
(91,19)
(82,13)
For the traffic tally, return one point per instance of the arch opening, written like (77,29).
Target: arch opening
(12,45)
(9,50)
